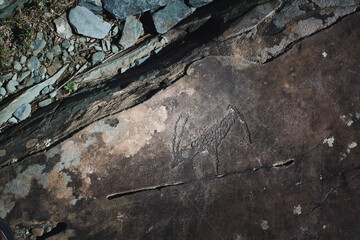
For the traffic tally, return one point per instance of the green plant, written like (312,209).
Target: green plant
(4,54)
(71,87)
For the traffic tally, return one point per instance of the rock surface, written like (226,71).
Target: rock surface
(199,3)
(168,17)
(133,29)
(93,5)
(23,112)
(62,27)
(120,9)
(87,23)
(226,152)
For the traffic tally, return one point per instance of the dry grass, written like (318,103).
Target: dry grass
(18,32)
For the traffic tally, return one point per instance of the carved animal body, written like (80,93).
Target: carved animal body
(209,140)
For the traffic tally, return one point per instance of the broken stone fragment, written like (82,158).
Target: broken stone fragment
(11,86)
(23,112)
(93,5)
(120,9)
(98,57)
(133,29)
(168,17)
(33,63)
(199,3)
(87,23)
(62,27)
(39,46)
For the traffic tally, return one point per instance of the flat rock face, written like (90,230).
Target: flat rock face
(168,17)
(87,23)
(199,3)
(267,152)
(123,8)
(133,29)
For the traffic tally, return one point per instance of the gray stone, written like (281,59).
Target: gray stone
(33,63)
(23,112)
(199,3)
(98,57)
(98,48)
(39,36)
(141,60)
(104,46)
(24,75)
(13,120)
(71,48)
(36,73)
(45,102)
(133,29)
(114,49)
(65,44)
(115,31)
(23,59)
(2,91)
(29,82)
(120,9)
(168,17)
(87,23)
(11,86)
(47,90)
(56,50)
(37,79)
(14,78)
(51,70)
(8,7)
(62,27)
(93,5)
(50,56)
(39,46)
(6,77)
(17,66)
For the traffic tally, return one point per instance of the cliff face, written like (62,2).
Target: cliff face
(240,129)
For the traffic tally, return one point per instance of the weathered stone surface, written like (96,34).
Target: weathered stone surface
(17,66)
(2,91)
(224,153)
(33,63)
(133,29)
(98,57)
(23,112)
(87,23)
(7,7)
(11,86)
(168,17)
(94,5)
(123,8)
(62,27)
(199,3)
(38,46)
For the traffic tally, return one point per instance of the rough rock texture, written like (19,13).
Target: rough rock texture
(133,29)
(123,8)
(62,27)
(23,111)
(87,23)
(229,151)
(167,18)
(199,3)
(94,5)
(7,7)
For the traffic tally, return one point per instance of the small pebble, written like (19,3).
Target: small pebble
(6,76)
(114,49)
(98,57)
(65,44)
(50,55)
(71,48)
(11,86)
(23,59)
(13,120)
(56,50)
(23,112)
(24,75)
(17,66)
(14,78)
(37,79)
(45,102)
(2,91)
(98,48)
(29,82)
(33,63)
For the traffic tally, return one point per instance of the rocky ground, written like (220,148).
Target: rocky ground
(244,126)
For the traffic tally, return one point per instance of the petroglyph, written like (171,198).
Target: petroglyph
(208,141)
